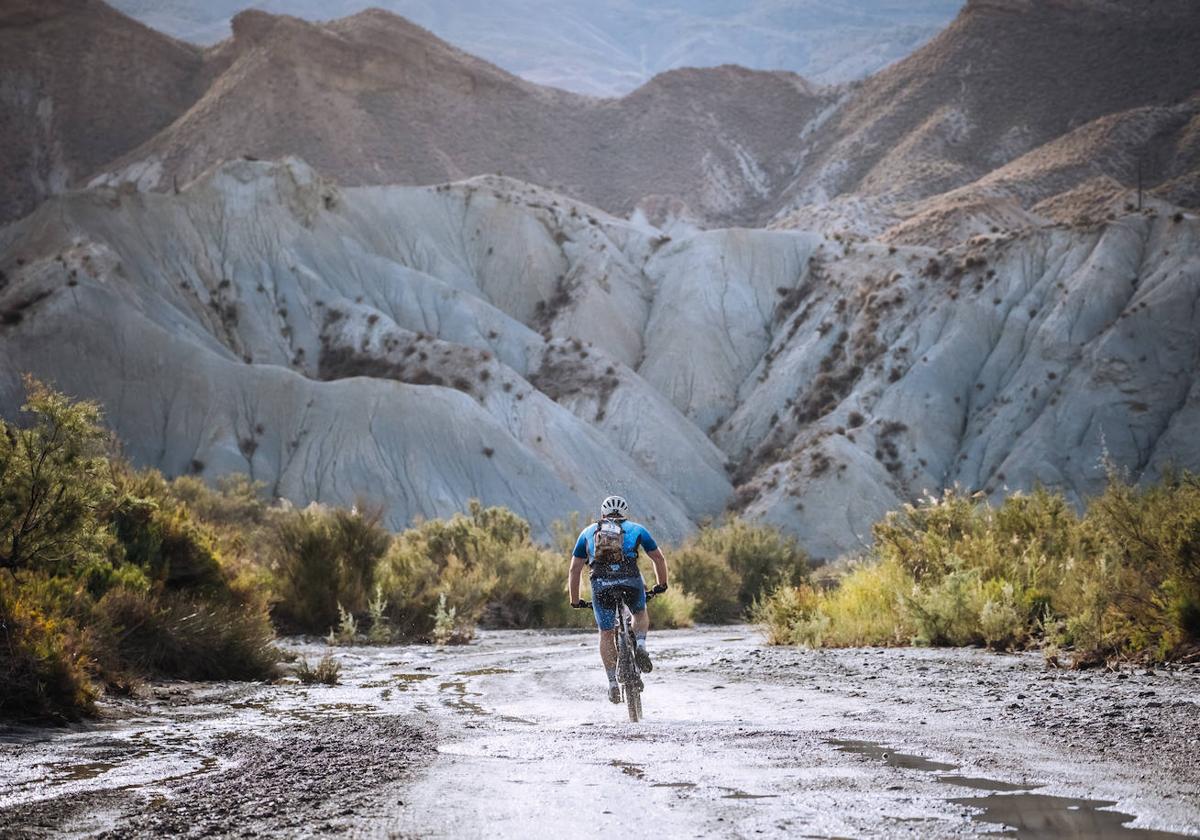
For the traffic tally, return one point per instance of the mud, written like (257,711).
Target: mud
(512,736)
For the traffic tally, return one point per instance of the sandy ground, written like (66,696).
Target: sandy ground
(512,736)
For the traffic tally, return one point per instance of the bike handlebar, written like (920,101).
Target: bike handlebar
(658,589)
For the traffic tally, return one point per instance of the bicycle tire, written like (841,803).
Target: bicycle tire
(627,670)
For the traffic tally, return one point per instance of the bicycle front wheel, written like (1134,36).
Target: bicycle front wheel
(633,701)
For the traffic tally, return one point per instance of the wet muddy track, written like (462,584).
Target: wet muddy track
(512,736)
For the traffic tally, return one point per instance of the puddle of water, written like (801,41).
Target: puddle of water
(680,785)
(78,772)
(460,703)
(893,759)
(1026,816)
(480,672)
(983,784)
(347,707)
(734,793)
(1035,816)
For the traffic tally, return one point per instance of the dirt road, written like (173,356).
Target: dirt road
(511,736)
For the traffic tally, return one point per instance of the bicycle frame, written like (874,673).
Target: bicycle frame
(628,675)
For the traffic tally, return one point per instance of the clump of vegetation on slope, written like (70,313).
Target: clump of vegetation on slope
(105,575)
(1120,580)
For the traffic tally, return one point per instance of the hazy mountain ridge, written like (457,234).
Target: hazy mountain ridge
(73,99)
(608,49)
(376,99)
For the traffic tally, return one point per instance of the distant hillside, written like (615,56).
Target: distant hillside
(610,47)
(1007,77)
(1019,114)
(374,98)
(80,85)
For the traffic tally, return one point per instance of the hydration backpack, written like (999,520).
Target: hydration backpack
(610,560)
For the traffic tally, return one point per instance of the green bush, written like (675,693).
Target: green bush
(728,567)
(1138,591)
(1122,580)
(235,501)
(534,592)
(673,609)
(705,574)
(868,607)
(760,556)
(485,565)
(321,558)
(166,544)
(105,573)
(54,485)
(44,670)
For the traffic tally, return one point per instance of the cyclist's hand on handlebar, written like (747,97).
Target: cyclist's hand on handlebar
(582,604)
(659,588)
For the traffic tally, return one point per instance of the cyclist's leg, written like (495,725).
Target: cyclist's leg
(641,624)
(606,620)
(608,650)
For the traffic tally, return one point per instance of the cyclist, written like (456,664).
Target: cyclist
(610,548)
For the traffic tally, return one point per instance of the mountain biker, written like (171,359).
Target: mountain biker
(610,548)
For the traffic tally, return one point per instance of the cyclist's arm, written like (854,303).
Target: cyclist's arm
(660,564)
(577,564)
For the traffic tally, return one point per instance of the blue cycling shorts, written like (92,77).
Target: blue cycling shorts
(604,604)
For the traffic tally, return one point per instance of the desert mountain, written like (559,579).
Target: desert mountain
(489,339)
(609,48)
(71,97)
(1016,104)
(376,99)
(1004,79)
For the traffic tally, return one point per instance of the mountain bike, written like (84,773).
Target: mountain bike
(629,677)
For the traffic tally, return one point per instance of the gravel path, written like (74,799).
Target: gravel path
(511,736)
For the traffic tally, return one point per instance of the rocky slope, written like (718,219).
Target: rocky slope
(72,98)
(1005,79)
(490,339)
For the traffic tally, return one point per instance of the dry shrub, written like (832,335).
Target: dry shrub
(1120,581)
(324,557)
(327,672)
(180,636)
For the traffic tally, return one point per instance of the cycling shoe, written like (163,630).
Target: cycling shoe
(614,693)
(642,658)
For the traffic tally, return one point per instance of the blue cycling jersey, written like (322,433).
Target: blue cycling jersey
(633,535)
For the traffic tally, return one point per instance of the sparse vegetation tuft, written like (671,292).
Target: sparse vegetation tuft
(327,672)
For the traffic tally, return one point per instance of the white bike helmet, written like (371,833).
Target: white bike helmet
(614,507)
